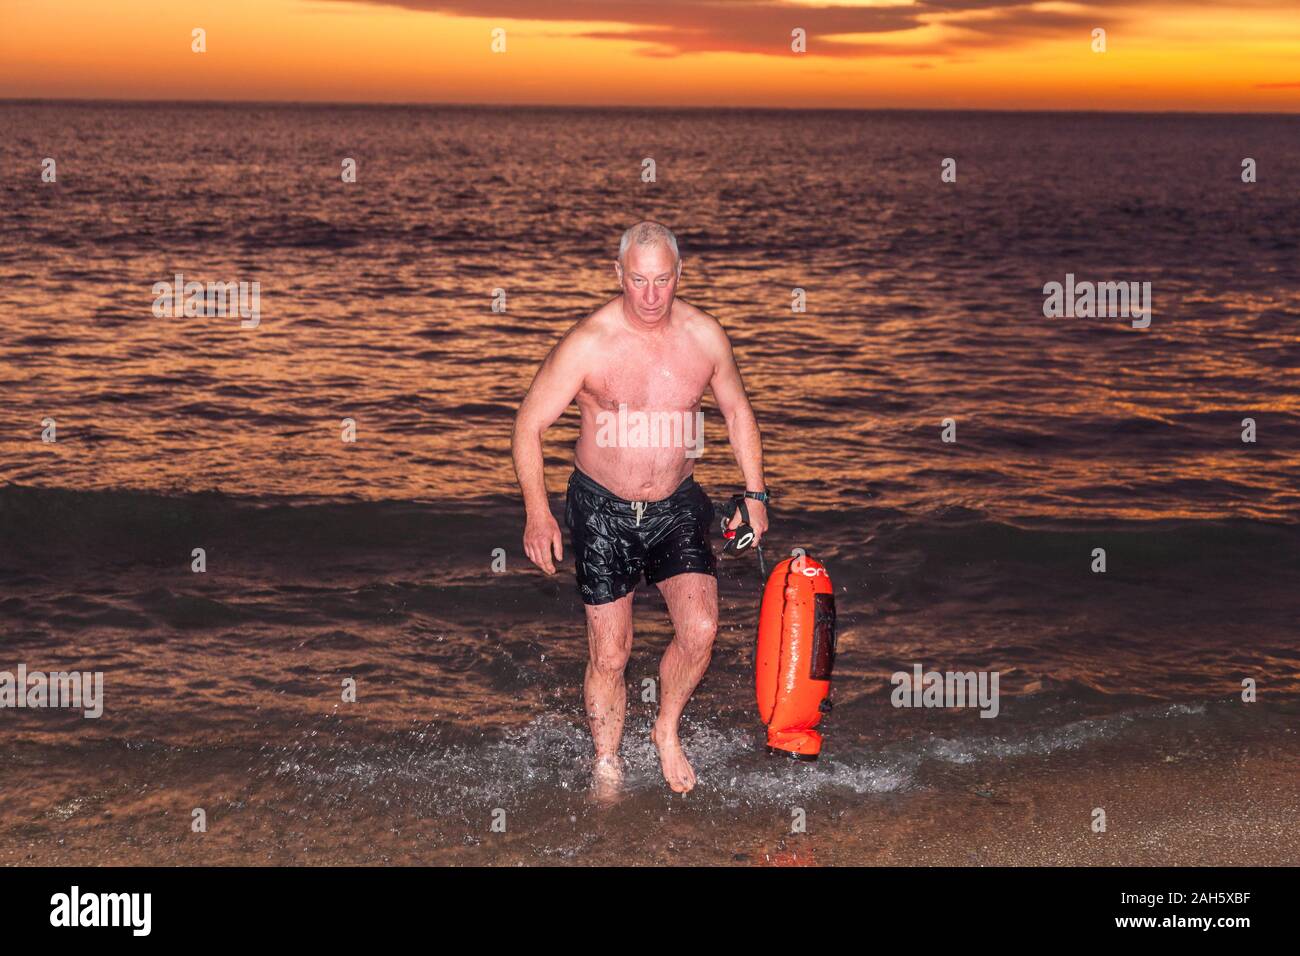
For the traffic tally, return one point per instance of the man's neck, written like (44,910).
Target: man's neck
(634,322)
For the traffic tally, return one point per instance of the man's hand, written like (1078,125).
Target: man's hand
(757,519)
(542,538)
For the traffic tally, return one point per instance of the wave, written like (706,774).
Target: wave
(552,753)
(138,525)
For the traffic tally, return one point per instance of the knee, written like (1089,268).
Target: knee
(696,634)
(609,659)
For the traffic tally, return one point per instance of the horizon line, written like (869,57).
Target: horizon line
(409,104)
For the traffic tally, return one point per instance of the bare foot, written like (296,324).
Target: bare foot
(607,779)
(672,760)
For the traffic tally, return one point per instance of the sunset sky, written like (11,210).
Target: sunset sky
(1161,54)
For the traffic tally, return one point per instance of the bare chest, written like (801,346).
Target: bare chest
(671,377)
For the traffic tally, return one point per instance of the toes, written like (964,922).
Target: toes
(685,780)
(678,773)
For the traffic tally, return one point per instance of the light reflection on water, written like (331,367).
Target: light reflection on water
(924,303)
(924,299)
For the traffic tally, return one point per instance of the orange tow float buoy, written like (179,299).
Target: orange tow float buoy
(796,651)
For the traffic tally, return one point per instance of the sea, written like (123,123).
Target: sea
(290,539)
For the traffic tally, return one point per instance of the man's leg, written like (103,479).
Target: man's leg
(693,605)
(609,639)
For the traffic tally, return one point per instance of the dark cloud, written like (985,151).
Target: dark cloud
(673,27)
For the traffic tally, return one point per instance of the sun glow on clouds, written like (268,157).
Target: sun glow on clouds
(963,53)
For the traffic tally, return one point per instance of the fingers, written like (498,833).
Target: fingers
(539,552)
(542,539)
(758,520)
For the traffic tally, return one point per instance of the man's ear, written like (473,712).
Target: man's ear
(618,271)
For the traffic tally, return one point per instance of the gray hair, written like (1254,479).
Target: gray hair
(648,233)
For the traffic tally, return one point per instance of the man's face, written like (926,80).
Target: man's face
(649,277)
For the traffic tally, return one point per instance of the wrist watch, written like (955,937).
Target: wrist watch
(762,496)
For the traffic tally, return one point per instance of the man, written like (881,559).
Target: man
(633,508)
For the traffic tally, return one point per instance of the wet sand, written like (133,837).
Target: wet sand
(1163,807)
(1241,810)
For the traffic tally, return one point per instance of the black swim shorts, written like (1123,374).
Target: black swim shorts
(616,541)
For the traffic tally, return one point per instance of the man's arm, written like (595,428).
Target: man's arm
(742,429)
(553,389)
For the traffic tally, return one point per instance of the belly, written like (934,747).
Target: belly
(640,456)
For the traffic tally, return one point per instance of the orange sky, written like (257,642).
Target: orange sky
(1177,54)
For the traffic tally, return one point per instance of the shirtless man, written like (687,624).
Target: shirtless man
(634,509)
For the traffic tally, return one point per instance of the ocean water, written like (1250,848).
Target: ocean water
(372,560)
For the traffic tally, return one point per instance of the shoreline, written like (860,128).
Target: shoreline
(1165,806)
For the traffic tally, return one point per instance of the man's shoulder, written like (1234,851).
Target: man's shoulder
(699,323)
(592,328)
(605,318)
